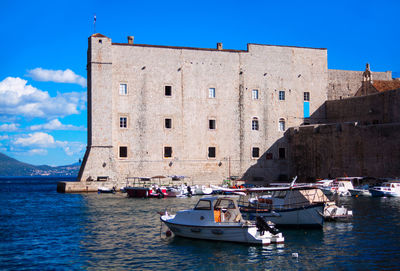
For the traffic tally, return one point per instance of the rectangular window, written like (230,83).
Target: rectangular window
(168,123)
(211,152)
(167,152)
(123,122)
(123,89)
(123,152)
(211,93)
(211,124)
(255,153)
(168,90)
(306,96)
(281,95)
(282,153)
(254,94)
(254,124)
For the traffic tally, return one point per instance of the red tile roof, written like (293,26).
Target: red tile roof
(98,35)
(383,85)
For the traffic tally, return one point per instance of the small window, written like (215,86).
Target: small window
(211,93)
(123,90)
(254,124)
(123,152)
(168,90)
(281,95)
(306,96)
(282,153)
(123,122)
(167,152)
(254,94)
(168,123)
(255,152)
(281,125)
(211,124)
(211,152)
(203,205)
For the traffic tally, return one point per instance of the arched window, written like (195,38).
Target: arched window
(281,124)
(254,124)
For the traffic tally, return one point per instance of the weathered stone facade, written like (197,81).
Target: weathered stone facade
(189,103)
(344,84)
(360,138)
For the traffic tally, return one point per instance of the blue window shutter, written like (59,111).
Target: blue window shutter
(306,109)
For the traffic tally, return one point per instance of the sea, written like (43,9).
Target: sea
(41,229)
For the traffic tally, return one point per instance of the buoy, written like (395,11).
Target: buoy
(295,255)
(168,233)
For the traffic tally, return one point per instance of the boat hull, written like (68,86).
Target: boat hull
(360,192)
(234,233)
(383,193)
(310,216)
(137,192)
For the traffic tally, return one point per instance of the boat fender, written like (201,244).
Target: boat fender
(168,233)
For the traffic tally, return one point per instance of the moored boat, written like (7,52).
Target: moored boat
(387,189)
(219,219)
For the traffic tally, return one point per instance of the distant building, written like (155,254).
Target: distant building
(207,114)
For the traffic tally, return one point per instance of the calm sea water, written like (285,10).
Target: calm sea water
(43,230)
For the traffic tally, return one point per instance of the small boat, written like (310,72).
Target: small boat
(202,190)
(299,206)
(219,219)
(360,191)
(106,190)
(387,189)
(340,186)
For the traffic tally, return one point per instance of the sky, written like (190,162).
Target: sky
(43,45)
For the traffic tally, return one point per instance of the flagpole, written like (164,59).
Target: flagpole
(94,24)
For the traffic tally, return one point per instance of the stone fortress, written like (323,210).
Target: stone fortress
(209,114)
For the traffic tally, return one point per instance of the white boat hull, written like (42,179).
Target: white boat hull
(311,216)
(360,192)
(231,233)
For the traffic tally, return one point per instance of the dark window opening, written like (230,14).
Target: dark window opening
(123,152)
(211,152)
(168,90)
(167,152)
(256,152)
(211,124)
(168,123)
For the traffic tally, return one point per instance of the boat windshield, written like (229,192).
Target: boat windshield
(225,204)
(203,205)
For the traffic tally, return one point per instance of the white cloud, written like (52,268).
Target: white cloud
(58,76)
(18,98)
(9,127)
(56,125)
(39,140)
(3,137)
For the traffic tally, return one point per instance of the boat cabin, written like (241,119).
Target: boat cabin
(210,210)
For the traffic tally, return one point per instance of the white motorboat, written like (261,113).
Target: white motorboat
(360,191)
(340,186)
(202,190)
(300,206)
(387,189)
(219,218)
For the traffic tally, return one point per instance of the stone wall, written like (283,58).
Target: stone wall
(191,72)
(344,149)
(371,109)
(343,84)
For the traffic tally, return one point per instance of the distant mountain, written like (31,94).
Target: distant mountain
(12,167)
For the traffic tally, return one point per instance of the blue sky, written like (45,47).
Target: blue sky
(43,52)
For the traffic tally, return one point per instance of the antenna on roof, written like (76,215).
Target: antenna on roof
(94,24)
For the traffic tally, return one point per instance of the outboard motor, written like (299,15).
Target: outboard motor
(189,190)
(160,193)
(262,226)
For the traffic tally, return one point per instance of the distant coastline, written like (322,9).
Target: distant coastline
(10,167)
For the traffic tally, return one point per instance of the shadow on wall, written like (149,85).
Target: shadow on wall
(277,163)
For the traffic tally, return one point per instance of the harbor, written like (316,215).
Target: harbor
(42,228)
